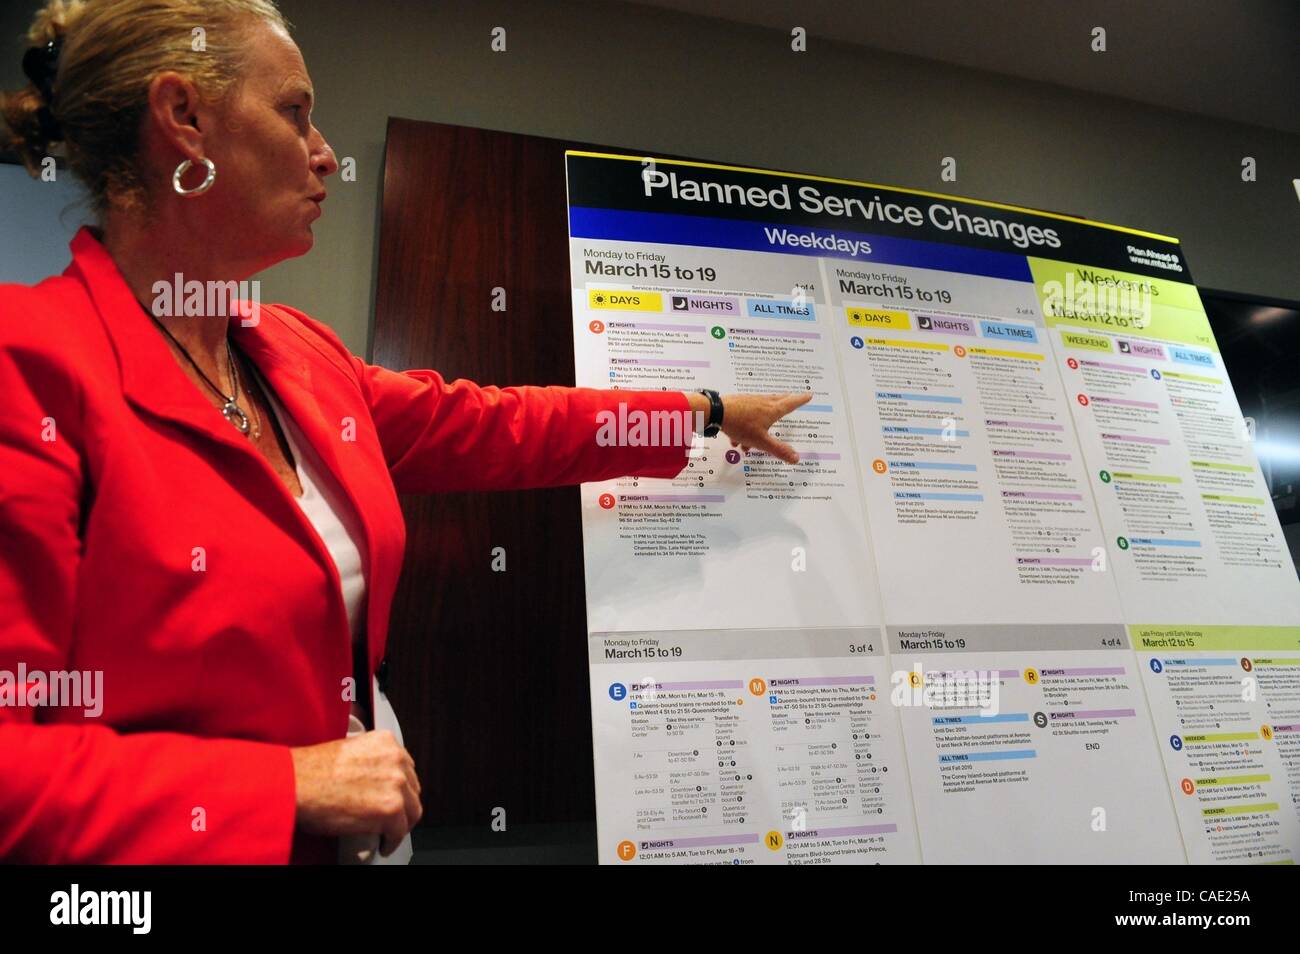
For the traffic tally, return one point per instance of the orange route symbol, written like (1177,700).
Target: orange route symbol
(1188,786)
(879,466)
(757,686)
(626,850)
(1266,733)
(959,351)
(596,327)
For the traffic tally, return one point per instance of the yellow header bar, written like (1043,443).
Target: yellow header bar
(874,185)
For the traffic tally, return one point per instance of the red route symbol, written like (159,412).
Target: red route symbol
(607,501)
(1083,399)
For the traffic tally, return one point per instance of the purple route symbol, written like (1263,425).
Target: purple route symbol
(733,456)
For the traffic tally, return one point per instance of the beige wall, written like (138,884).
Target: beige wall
(614,73)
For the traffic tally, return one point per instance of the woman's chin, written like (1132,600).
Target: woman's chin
(302,244)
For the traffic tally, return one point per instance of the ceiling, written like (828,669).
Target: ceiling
(1231,59)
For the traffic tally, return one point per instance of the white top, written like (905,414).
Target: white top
(329,511)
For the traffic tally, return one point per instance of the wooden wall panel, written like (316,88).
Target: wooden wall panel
(488,671)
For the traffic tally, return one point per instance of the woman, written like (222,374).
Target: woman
(202,509)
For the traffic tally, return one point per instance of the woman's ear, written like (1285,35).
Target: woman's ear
(173,110)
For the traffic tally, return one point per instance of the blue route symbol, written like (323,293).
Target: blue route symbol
(1156,667)
(855,341)
(618,692)
(1176,742)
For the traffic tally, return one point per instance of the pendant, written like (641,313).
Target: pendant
(236,416)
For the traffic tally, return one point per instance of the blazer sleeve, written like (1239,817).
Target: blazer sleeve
(439,436)
(83,792)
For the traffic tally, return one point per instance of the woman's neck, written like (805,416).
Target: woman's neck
(159,261)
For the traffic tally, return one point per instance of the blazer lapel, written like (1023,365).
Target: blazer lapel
(285,361)
(300,379)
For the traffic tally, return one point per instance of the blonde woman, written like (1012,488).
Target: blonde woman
(180,510)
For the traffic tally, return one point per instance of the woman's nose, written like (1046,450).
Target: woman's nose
(324,162)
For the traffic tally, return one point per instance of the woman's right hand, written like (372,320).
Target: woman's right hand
(364,784)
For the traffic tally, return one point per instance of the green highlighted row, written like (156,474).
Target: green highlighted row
(1168,638)
(1240,468)
(1226,499)
(1240,809)
(1153,478)
(1233,780)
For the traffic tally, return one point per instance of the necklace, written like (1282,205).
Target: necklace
(230,410)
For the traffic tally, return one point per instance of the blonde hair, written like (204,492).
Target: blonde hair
(111,50)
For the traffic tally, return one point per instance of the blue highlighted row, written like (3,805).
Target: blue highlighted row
(904,396)
(990,756)
(903,495)
(928,465)
(1201,359)
(1153,542)
(1005,331)
(936,431)
(980,719)
(779,308)
(1158,664)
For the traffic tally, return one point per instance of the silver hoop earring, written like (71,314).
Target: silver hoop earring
(199,189)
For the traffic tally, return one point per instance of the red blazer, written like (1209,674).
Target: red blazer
(211,674)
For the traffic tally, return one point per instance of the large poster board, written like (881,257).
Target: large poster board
(1024,598)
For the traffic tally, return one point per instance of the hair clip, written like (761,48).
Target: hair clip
(41,64)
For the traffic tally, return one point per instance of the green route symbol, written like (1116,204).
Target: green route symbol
(1122,542)
(718,332)
(1105,476)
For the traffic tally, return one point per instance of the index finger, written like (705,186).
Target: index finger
(777,448)
(791,401)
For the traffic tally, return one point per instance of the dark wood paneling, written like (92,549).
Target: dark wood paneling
(488,671)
